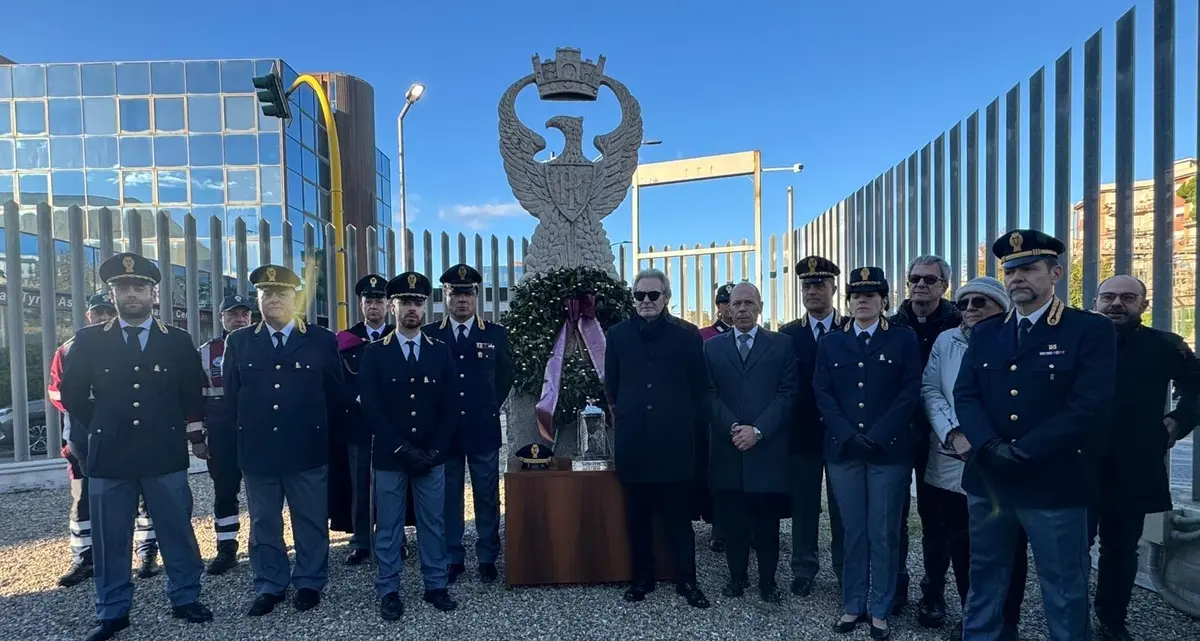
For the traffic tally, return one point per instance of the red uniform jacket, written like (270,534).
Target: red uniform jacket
(716,329)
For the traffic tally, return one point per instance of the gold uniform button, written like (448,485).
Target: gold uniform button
(1013,417)
(1012,392)
(136,422)
(137,404)
(1013,367)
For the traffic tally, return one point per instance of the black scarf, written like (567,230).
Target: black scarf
(650,331)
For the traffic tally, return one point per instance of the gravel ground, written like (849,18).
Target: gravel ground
(33,552)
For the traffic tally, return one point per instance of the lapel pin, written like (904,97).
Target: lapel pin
(881,358)
(157,369)
(426,379)
(480,354)
(297,365)
(1052,347)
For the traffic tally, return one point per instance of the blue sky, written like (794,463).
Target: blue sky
(848,88)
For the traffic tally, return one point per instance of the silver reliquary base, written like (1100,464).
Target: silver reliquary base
(591,465)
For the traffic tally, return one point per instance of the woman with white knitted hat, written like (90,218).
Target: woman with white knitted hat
(979,299)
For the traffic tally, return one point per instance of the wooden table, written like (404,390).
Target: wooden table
(568,527)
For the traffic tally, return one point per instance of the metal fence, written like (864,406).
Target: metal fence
(1146,228)
(47,280)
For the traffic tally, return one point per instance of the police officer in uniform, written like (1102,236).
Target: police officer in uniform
(1034,397)
(132,383)
(283,379)
(352,343)
(724,320)
(409,386)
(220,450)
(485,376)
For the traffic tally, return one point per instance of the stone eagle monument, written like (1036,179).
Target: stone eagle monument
(569,195)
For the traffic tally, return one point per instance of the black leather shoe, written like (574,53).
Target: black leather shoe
(770,593)
(931,612)
(880,633)
(802,587)
(106,629)
(306,599)
(453,571)
(1110,632)
(440,599)
(358,557)
(225,560)
(735,588)
(634,594)
(391,608)
(194,612)
(488,573)
(78,573)
(148,566)
(717,545)
(265,604)
(841,626)
(692,593)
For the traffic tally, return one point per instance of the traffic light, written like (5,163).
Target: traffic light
(272,97)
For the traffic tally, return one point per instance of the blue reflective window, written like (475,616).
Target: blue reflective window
(241,150)
(264,67)
(100,152)
(206,150)
(296,218)
(323,173)
(133,78)
(323,210)
(5,118)
(33,153)
(135,115)
(203,76)
(168,114)
(172,186)
(208,186)
(31,118)
(322,139)
(309,165)
(6,188)
(5,81)
(307,127)
(166,77)
(62,80)
(310,198)
(271,185)
(99,79)
(204,114)
(273,214)
(243,185)
(204,216)
(103,188)
(293,126)
(68,188)
(268,149)
(66,153)
(294,158)
(237,76)
(239,113)
(34,188)
(7,160)
(99,116)
(66,117)
(250,215)
(171,151)
(137,151)
(295,190)
(138,187)
(28,81)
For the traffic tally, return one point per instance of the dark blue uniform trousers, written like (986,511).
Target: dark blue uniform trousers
(113,505)
(806,473)
(485,488)
(1059,538)
(429,494)
(870,498)
(308,504)
(226,477)
(360,488)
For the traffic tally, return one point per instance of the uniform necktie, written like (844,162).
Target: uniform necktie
(412,351)
(278,340)
(374,335)
(133,338)
(820,330)
(864,338)
(743,346)
(462,333)
(1023,329)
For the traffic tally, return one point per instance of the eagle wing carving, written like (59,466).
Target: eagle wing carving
(518,146)
(620,148)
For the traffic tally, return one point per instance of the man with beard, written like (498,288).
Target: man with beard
(355,434)
(485,375)
(1034,396)
(100,310)
(1135,482)
(132,383)
(818,284)
(283,380)
(410,398)
(928,313)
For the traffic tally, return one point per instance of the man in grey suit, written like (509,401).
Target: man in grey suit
(753,386)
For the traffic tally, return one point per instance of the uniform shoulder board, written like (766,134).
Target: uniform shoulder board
(112,322)
(430,340)
(243,330)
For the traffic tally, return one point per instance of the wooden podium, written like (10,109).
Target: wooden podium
(568,527)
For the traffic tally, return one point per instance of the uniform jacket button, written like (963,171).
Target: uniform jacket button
(462,375)
(137,422)
(274,429)
(277,386)
(860,425)
(414,430)
(860,384)
(411,380)
(462,412)
(860,406)
(137,386)
(1012,392)
(135,368)
(1013,367)
(137,404)
(860,364)
(278,367)
(1013,417)
(412,395)
(649,407)
(462,393)
(414,412)
(649,385)
(274,407)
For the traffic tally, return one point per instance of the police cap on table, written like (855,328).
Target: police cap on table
(128,266)
(724,292)
(235,301)
(1024,246)
(865,280)
(409,285)
(461,278)
(535,457)
(816,269)
(99,300)
(274,277)
(371,286)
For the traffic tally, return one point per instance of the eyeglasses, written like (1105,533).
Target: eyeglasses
(1126,299)
(641,296)
(928,280)
(974,302)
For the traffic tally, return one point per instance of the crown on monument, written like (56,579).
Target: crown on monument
(568,77)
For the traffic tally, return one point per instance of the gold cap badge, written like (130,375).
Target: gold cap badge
(271,274)
(462,271)
(533,451)
(812,264)
(864,273)
(128,263)
(412,280)
(1016,240)
(373,281)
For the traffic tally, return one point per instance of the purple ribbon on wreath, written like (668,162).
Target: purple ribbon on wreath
(581,316)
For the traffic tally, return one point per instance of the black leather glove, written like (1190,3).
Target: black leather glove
(874,450)
(428,461)
(1003,456)
(859,446)
(410,457)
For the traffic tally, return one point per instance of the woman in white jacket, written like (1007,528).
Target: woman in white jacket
(978,299)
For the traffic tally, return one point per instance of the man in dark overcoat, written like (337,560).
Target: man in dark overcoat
(752,394)
(655,381)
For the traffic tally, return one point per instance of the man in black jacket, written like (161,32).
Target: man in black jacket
(655,380)
(928,313)
(1135,481)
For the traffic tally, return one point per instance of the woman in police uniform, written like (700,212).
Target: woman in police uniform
(867,383)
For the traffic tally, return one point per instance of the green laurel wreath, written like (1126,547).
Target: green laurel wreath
(534,318)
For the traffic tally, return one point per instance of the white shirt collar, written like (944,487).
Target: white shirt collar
(753,332)
(827,322)
(870,330)
(416,343)
(374,329)
(146,324)
(286,330)
(1036,315)
(470,324)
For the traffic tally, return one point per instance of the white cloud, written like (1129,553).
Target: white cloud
(478,217)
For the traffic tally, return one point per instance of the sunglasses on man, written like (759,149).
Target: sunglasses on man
(927,279)
(974,302)
(641,296)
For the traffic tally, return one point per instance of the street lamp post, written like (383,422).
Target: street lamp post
(411,96)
